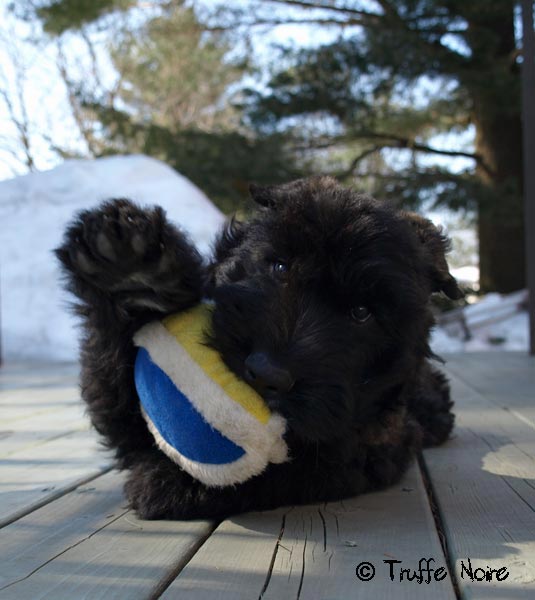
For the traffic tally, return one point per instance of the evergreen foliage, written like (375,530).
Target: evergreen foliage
(401,73)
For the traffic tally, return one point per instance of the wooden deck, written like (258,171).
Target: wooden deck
(65,531)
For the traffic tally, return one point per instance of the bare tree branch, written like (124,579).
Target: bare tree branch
(93,56)
(276,22)
(14,99)
(337,9)
(355,162)
(367,18)
(388,19)
(390,140)
(388,8)
(77,112)
(397,141)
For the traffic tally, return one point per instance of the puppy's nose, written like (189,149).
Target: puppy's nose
(264,374)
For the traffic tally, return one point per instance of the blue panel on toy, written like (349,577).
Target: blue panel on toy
(176,419)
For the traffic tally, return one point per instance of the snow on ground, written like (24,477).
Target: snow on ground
(496,322)
(509,334)
(468,275)
(442,343)
(34,209)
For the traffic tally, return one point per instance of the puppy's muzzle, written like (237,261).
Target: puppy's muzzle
(265,375)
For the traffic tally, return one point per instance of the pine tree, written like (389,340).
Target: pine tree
(370,82)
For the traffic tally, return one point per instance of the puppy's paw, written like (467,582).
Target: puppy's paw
(158,489)
(111,244)
(431,405)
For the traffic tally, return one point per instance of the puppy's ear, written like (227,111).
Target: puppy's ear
(275,196)
(263,195)
(436,246)
(223,264)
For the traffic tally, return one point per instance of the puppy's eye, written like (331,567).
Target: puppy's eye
(360,314)
(279,268)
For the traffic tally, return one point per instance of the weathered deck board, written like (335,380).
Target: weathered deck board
(35,539)
(312,552)
(484,482)
(17,406)
(505,378)
(87,545)
(38,375)
(18,434)
(37,475)
(32,416)
(46,447)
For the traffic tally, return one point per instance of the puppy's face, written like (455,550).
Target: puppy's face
(322,302)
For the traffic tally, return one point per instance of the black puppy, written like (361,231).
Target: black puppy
(321,303)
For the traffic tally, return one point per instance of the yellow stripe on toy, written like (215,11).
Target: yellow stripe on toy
(188,329)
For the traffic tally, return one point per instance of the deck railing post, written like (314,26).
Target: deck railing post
(528,126)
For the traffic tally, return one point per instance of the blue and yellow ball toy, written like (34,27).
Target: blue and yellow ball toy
(202,416)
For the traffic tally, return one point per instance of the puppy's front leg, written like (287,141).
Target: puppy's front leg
(126,266)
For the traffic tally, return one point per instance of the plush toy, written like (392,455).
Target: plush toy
(202,416)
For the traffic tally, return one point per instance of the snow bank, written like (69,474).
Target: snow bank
(442,343)
(34,209)
(496,322)
(468,275)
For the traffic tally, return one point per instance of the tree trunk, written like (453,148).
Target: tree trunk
(494,86)
(500,213)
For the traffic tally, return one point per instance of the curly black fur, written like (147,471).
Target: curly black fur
(365,396)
